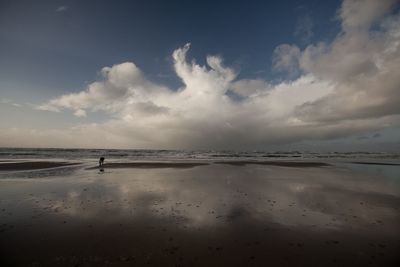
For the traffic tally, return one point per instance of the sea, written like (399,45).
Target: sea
(380,164)
(184,155)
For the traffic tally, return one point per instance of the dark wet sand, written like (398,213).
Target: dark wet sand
(151,165)
(296,164)
(211,215)
(376,163)
(32,165)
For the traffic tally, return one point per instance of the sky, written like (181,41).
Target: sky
(238,75)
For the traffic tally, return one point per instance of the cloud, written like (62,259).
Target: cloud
(349,86)
(304,28)
(286,58)
(6,101)
(62,9)
(358,15)
(123,87)
(80,113)
(361,63)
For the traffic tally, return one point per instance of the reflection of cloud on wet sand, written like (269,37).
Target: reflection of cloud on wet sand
(218,195)
(205,214)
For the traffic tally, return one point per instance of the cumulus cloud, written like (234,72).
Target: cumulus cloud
(344,87)
(360,14)
(361,63)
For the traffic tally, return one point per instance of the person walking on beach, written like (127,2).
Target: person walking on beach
(101,162)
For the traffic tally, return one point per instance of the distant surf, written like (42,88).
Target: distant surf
(173,155)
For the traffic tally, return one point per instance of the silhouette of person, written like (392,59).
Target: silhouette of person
(101,162)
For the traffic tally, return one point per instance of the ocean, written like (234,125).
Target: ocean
(182,155)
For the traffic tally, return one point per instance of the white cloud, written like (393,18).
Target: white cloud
(80,113)
(360,14)
(345,87)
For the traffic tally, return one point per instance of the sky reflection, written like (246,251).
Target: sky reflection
(215,214)
(213,195)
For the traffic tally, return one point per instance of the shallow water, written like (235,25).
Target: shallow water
(160,155)
(208,215)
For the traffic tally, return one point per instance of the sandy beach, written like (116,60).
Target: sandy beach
(200,133)
(31,165)
(198,214)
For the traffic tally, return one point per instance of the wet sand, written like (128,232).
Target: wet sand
(376,163)
(149,165)
(32,165)
(209,215)
(296,164)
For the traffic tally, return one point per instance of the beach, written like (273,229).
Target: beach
(199,213)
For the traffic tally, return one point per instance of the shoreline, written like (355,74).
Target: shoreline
(27,165)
